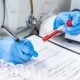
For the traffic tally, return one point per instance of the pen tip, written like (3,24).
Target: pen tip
(17,39)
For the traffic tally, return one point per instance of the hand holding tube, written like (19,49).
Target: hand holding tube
(62,19)
(57,31)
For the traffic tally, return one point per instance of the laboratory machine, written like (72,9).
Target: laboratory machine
(75,4)
(47,26)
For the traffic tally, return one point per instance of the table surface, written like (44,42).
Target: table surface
(71,45)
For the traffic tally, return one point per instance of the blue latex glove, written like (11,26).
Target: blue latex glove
(16,52)
(62,19)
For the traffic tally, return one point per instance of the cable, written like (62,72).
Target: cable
(3,12)
(31,3)
(31,21)
(3,27)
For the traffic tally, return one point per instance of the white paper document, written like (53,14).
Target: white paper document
(62,41)
(60,64)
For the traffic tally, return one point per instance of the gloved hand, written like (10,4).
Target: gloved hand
(16,52)
(62,19)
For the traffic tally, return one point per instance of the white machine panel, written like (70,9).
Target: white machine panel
(75,4)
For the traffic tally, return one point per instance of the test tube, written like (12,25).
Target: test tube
(57,31)
(53,34)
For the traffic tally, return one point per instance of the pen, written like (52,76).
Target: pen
(10,33)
